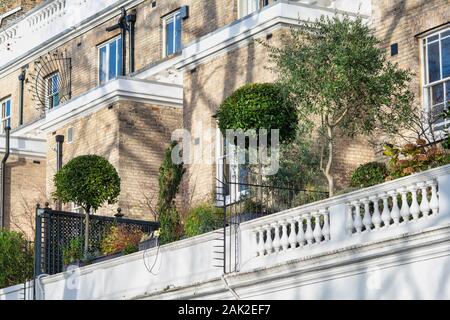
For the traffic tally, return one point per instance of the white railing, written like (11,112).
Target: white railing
(389,209)
(46,23)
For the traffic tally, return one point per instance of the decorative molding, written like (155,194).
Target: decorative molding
(25,146)
(116,90)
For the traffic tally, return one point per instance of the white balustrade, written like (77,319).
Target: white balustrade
(417,201)
(295,232)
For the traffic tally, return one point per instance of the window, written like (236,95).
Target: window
(246,7)
(52,87)
(6,114)
(232,176)
(172,33)
(70,135)
(436,53)
(110,60)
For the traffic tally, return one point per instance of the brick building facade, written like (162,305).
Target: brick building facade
(189,55)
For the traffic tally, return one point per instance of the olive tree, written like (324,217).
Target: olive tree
(337,72)
(88,181)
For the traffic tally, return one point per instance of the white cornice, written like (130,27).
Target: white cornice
(117,90)
(243,31)
(25,146)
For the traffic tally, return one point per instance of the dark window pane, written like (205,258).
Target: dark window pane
(119,60)
(437,94)
(8,108)
(112,60)
(445,45)
(433,62)
(433,38)
(169,37)
(178,33)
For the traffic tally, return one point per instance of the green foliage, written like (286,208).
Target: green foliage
(414,157)
(369,174)
(336,71)
(170,175)
(73,251)
(16,258)
(88,181)
(202,219)
(259,106)
(121,238)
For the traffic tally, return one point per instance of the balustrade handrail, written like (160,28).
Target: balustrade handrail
(349,197)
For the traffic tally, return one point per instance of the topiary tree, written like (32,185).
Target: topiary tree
(369,174)
(259,106)
(170,175)
(16,258)
(336,71)
(88,181)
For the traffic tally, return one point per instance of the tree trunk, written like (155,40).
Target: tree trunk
(86,233)
(327,170)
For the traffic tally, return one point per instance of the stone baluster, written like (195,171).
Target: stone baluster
(326,224)
(255,242)
(292,235)
(367,220)
(376,217)
(357,220)
(269,242)
(395,212)
(261,248)
(434,201)
(301,232)
(424,204)
(284,236)
(349,224)
(386,214)
(309,232)
(317,229)
(276,238)
(414,209)
(404,211)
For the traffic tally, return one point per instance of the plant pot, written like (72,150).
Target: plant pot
(148,244)
(106,257)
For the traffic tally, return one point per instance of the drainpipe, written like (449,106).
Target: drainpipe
(131,20)
(22,86)
(59,154)
(3,183)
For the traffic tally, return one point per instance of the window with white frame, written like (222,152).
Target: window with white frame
(436,54)
(110,60)
(70,135)
(172,26)
(246,7)
(232,176)
(52,87)
(6,113)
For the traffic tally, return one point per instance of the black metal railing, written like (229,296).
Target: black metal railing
(56,229)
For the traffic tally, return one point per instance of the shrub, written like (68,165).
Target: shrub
(122,239)
(202,219)
(73,251)
(170,175)
(259,106)
(16,259)
(89,181)
(414,157)
(369,174)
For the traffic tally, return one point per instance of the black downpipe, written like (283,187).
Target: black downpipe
(131,21)
(59,155)
(21,96)
(123,28)
(3,184)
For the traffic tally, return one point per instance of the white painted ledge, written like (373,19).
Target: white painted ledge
(25,146)
(241,32)
(121,89)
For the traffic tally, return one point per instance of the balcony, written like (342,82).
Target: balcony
(397,231)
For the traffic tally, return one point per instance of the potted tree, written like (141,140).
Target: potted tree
(73,253)
(88,181)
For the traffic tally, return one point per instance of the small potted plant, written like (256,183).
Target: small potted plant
(73,253)
(149,241)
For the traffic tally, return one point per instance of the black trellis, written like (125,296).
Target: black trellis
(55,229)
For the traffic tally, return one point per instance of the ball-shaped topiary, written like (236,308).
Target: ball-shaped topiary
(88,181)
(369,174)
(202,219)
(259,106)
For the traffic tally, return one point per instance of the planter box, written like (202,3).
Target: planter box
(148,244)
(73,265)
(105,258)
